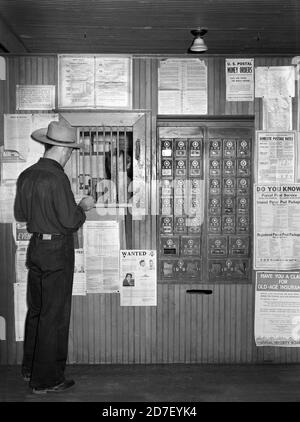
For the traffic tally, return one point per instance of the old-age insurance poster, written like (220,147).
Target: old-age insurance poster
(277,309)
(277,226)
(138,278)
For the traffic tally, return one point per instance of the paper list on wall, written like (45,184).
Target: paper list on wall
(21,238)
(22,125)
(275,157)
(277,114)
(186,78)
(17,131)
(20,264)
(79,280)
(76,81)
(277,227)
(275,81)
(20,308)
(101,244)
(35,97)
(138,278)
(7,199)
(111,82)
(277,309)
(170,75)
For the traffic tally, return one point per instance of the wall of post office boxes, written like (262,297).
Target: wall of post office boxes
(205,188)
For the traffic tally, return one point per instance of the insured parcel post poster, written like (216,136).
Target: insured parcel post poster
(277,227)
(277,309)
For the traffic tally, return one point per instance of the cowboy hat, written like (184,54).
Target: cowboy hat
(57,133)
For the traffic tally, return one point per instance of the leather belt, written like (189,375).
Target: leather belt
(46,236)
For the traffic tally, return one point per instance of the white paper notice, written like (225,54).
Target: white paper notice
(20,305)
(17,131)
(113,82)
(194,100)
(21,234)
(35,97)
(277,114)
(170,75)
(275,157)
(277,227)
(94,81)
(7,199)
(79,280)
(20,264)
(101,245)
(182,86)
(138,278)
(239,79)
(17,137)
(169,102)
(275,81)
(277,309)
(76,79)
(2,328)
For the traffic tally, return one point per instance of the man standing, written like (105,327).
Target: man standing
(45,201)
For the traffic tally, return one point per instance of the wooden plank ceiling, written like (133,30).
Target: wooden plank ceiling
(153,26)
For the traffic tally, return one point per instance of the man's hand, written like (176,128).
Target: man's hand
(87,203)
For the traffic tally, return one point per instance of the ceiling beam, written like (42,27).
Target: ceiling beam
(9,41)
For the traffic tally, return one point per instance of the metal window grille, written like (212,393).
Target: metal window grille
(104,167)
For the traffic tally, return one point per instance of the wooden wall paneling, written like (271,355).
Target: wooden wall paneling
(188,323)
(124,338)
(131,334)
(165,322)
(91,327)
(119,330)
(176,341)
(170,324)
(199,319)
(135,333)
(114,327)
(153,335)
(158,353)
(107,334)
(181,323)
(238,323)
(246,342)
(194,327)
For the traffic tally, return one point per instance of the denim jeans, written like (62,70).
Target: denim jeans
(49,296)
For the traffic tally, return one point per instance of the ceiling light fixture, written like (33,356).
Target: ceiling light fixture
(198,45)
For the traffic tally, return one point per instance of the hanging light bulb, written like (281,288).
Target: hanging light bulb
(198,45)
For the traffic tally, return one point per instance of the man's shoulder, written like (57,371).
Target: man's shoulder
(38,169)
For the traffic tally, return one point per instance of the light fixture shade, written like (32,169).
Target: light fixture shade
(198,45)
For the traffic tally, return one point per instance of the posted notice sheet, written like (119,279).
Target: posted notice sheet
(239,79)
(101,245)
(277,227)
(275,157)
(138,277)
(277,309)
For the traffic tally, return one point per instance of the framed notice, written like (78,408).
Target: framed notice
(35,97)
(94,81)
